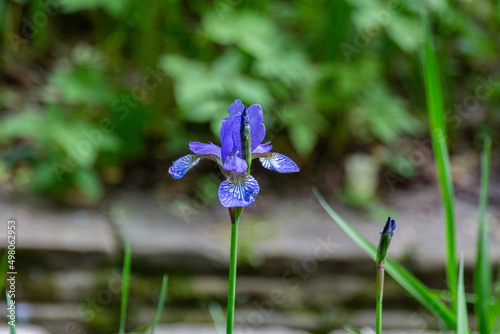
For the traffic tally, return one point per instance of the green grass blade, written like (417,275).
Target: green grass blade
(407,280)
(462,321)
(494,317)
(444,295)
(432,84)
(482,270)
(438,134)
(125,285)
(161,302)
(141,329)
(218,318)
(351,330)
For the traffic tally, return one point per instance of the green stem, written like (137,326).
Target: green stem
(482,270)
(125,285)
(235,214)
(380,294)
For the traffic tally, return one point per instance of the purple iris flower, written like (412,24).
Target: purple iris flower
(241,136)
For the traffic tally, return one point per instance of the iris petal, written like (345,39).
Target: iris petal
(238,192)
(230,133)
(257,128)
(279,162)
(236,108)
(263,148)
(202,148)
(228,145)
(236,164)
(236,135)
(228,126)
(182,165)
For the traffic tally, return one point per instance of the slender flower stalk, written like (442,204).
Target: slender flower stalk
(241,136)
(380,295)
(385,240)
(235,214)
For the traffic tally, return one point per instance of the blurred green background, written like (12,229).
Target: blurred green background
(102,94)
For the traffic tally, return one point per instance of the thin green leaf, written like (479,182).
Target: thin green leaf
(125,285)
(352,330)
(482,270)
(161,302)
(438,134)
(494,317)
(432,84)
(444,295)
(217,317)
(407,280)
(462,321)
(141,329)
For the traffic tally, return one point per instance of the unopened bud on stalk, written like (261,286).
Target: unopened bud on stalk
(385,239)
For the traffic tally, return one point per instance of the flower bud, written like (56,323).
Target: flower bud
(385,239)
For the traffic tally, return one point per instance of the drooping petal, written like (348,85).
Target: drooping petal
(258,130)
(263,148)
(202,148)
(279,162)
(182,165)
(236,164)
(238,192)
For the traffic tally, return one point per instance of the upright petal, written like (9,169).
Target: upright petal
(236,135)
(202,148)
(279,162)
(227,127)
(263,148)
(258,130)
(228,145)
(236,164)
(236,108)
(238,192)
(182,165)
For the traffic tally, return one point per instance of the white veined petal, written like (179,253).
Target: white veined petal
(280,163)
(182,165)
(241,192)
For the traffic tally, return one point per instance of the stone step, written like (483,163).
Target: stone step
(207,329)
(275,235)
(249,317)
(24,329)
(368,330)
(315,291)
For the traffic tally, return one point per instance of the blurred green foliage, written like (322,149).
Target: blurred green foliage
(90,87)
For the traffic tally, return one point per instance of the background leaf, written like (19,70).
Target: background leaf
(439,138)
